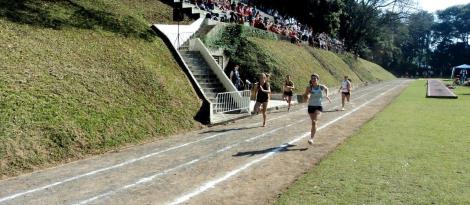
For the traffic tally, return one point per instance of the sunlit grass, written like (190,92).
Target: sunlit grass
(68,90)
(414,152)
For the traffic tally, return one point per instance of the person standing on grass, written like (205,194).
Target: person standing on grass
(314,95)
(262,96)
(288,91)
(345,90)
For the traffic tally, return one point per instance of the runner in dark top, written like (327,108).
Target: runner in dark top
(288,91)
(262,96)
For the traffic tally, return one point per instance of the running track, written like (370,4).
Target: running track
(214,165)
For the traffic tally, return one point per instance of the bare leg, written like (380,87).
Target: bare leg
(265,107)
(314,118)
(348,97)
(289,99)
(343,96)
(256,108)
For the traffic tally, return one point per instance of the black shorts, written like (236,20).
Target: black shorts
(346,93)
(288,93)
(312,109)
(262,100)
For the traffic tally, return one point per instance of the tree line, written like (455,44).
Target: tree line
(392,33)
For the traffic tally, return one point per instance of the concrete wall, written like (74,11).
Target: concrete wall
(185,31)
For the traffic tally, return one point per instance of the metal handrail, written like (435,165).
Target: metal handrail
(232,101)
(182,38)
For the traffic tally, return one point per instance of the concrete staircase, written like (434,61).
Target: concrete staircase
(199,68)
(199,34)
(192,11)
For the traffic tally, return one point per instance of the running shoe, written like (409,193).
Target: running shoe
(310,141)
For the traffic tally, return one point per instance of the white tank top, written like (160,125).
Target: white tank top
(344,86)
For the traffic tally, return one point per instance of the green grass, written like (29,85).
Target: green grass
(260,51)
(414,152)
(365,70)
(334,64)
(85,77)
(300,66)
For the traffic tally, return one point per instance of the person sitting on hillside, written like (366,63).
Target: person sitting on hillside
(258,23)
(294,38)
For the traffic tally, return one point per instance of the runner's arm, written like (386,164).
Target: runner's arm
(306,94)
(269,89)
(326,93)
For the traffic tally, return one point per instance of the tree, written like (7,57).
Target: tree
(451,38)
(361,21)
(418,45)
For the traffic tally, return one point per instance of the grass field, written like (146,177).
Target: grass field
(84,77)
(417,151)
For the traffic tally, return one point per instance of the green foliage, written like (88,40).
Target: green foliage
(280,58)
(80,14)
(69,90)
(334,64)
(405,155)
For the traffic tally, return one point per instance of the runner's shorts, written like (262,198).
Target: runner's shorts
(288,93)
(312,109)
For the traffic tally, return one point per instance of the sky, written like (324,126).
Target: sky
(434,5)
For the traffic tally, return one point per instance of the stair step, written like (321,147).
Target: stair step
(213,89)
(208,80)
(200,66)
(211,84)
(204,74)
(205,77)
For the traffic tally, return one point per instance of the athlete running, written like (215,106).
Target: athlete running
(288,87)
(314,95)
(345,90)
(262,96)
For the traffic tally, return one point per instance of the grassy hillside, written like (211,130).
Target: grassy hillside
(366,70)
(300,66)
(259,51)
(82,77)
(334,64)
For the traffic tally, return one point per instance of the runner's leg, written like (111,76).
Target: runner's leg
(265,107)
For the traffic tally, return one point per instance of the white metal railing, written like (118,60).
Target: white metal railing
(181,38)
(232,101)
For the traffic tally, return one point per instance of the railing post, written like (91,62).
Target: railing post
(211,112)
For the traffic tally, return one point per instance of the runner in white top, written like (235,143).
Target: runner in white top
(345,90)
(314,95)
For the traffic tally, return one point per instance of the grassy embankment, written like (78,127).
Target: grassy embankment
(84,77)
(259,51)
(414,152)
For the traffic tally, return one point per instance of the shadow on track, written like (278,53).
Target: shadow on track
(227,130)
(264,151)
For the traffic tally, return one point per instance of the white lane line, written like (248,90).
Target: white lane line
(146,179)
(213,183)
(131,161)
(152,177)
